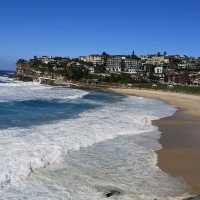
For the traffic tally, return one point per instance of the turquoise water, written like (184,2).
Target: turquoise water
(66,144)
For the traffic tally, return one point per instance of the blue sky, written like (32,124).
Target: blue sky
(79,27)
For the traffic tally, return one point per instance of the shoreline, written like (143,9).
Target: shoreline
(180,137)
(188,103)
(180,152)
(175,154)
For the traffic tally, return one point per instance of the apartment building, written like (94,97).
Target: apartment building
(94,59)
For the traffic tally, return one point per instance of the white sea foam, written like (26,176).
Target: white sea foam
(23,91)
(76,173)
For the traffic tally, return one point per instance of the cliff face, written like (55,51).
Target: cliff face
(24,71)
(33,70)
(51,69)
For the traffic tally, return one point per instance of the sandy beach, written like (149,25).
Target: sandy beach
(180,155)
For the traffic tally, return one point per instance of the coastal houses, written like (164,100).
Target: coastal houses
(132,65)
(157,68)
(114,64)
(94,59)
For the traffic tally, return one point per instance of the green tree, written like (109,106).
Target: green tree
(76,72)
(100,69)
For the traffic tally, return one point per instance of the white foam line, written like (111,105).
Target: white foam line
(47,144)
(20,91)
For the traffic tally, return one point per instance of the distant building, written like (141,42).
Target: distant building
(195,78)
(156,60)
(45,59)
(132,66)
(158,70)
(94,59)
(121,63)
(177,77)
(114,64)
(91,69)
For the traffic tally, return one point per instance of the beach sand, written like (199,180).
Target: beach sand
(180,155)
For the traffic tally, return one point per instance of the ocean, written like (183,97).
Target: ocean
(66,144)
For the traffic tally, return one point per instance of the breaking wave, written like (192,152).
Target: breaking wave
(109,144)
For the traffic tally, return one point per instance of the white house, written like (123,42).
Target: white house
(158,70)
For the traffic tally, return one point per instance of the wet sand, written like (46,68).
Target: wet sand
(180,155)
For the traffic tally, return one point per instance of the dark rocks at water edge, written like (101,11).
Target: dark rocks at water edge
(112,193)
(109,191)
